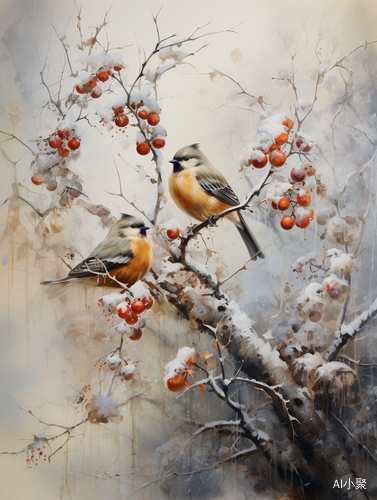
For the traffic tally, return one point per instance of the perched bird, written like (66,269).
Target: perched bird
(125,253)
(200,190)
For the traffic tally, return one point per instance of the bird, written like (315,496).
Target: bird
(125,254)
(200,191)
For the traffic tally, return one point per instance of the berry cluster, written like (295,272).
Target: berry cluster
(91,86)
(272,152)
(49,165)
(297,198)
(130,312)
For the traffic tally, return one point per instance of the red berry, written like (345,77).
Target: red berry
(118,111)
(67,134)
(302,221)
(273,205)
(304,200)
(121,120)
(131,318)
(143,114)
(273,147)
(79,90)
(277,158)
(305,149)
(298,174)
(103,76)
(97,92)
(63,152)
(55,142)
(35,181)
(143,148)
(148,302)
(138,306)
(172,234)
(118,68)
(283,203)
(177,383)
(60,134)
(191,361)
(288,123)
(91,83)
(153,119)
(122,313)
(74,143)
(259,163)
(287,222)
(136,334)
(158,143)
(282,139)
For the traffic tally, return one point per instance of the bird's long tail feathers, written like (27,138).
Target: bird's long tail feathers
(57,281)
(249,240)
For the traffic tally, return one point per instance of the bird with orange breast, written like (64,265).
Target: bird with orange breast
(125,254)
(200,190)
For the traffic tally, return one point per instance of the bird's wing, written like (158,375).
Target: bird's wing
(216,185)
(95,265)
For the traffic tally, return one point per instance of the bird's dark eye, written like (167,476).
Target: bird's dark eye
(186,158)
(133,226)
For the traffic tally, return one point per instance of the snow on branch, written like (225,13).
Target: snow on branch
(349,331)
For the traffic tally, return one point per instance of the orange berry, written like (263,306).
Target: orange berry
(177,383)
(273,147)
(138,306)
(122,313)
(122,120)
(79,90)
(55,142)
(74,143)
(63,152)
(304,200)
(287,222)
(259,163)
(143,148)
(302,221)
(97,92)
(103,76)
(143,114)
(158,143)
(282,139)
(92,83)
(277,158)
(148,302)
(153,119)
(118,68)
(283,203)
(35,181)
(298,174)
(191,361)
(172,234)
(288,123)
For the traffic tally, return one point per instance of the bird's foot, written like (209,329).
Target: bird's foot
(212,220)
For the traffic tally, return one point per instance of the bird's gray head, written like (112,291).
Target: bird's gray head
(129,225)
(188,157)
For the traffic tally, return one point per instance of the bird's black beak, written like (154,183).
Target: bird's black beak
(143,230)
(176,166)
